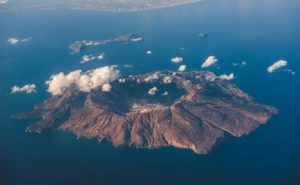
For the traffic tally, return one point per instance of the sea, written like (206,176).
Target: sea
(258,32)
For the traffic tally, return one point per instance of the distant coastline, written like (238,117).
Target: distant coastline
(100,5)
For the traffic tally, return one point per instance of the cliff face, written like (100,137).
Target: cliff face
(186,110)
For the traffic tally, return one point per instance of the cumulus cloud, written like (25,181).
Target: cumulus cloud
(227,77)
(166,93)
(182,68)
(114,66)
(29,88)
(149,52)
(106,87)
(122,80)
(277,65)
(211,60)
(151,77)
(177,59)
(152,91)
(89,58)
(80,81)
(100,56)
(167,79)
(14,41)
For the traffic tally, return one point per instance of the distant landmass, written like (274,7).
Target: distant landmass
(107,5)
(190,110)
(78,46)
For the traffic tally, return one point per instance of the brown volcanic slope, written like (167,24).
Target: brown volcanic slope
(198,110)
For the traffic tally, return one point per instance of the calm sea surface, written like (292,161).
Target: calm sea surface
(259,32)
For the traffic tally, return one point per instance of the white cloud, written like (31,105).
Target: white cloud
(29,88)
(128,66)
(3,1)
(211,60)
(100,56)
(240,64)
(277,65)
(177,59)
(182,68)
(25,40)
(151,77)
(227,77)
(138,39)
(114,66)
(106,87)
(149,52)
(202,35)
(291,71)
(87,58)
(244,63)
(84,82)
(122,80)
(167,79)
(13,41)
(152,91)
(166,93)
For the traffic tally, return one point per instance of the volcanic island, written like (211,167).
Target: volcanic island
(189,110)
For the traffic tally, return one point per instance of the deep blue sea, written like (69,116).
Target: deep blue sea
(259,32)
